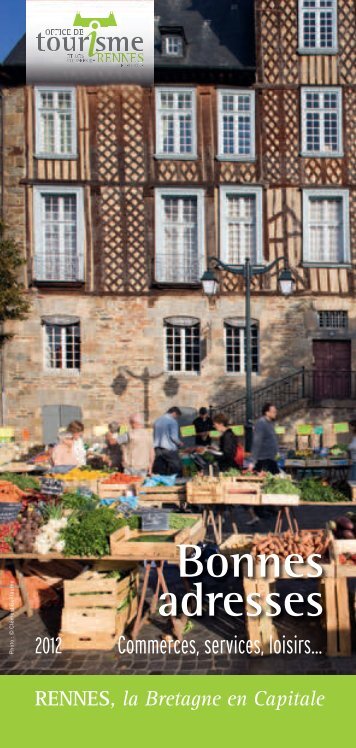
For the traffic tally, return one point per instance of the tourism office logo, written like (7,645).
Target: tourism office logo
(100,44)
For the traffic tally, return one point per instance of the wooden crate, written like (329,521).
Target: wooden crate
(352,487)
(236,543)
(348,546)
(260,629)
(98,639)
(204,493)
(93,589)
(337,614)
(116,490)
(240,491)
(163,494)
(281,499)
(123,545)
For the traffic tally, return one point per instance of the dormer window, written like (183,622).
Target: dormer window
(173,41)
(173,46)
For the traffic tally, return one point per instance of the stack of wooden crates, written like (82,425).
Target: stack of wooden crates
(98,607)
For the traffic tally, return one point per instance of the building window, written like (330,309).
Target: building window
(183,348)
(235,348)
(321,121)
(55,122)
(173,45)
(179,236)
(175,123)
(236,124)
(241,224)
(62,346)
(59,234)
(333,320)
(326,227)
(318,26)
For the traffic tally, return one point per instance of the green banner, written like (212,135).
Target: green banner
(272,711)
(188,431)
(238,430)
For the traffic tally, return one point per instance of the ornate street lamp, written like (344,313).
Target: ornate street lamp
(210,284)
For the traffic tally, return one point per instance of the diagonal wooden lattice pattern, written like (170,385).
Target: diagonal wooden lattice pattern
(347,35)
(312,169)
(288,30)
(333,171)
(107,133)
(236,172)
(112,257)
(270,43)
(179,171)
(133,133)
(350,131)
(135,230)
(291,119)
(271,106)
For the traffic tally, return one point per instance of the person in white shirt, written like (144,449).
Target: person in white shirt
(76,428)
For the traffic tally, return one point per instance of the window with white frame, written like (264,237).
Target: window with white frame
(235,348)
(179,236)
(326,227)
(173,45)
(318,26)
(175,122)
(321,121)
(236,126)
(62,346)
(55,122)
(59,234)
(182,348)
(241,224)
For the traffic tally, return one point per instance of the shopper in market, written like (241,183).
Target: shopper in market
(63,455)
(76,429)
(203,425)
(265,444)
(113,450)
(228,442)
(166,442)
(138,453)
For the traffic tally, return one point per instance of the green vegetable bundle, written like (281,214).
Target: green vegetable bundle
(276,485)
(316,490)
(88,532)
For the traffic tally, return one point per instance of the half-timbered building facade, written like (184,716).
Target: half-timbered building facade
(118,196)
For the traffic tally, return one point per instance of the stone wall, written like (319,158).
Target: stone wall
(127,334)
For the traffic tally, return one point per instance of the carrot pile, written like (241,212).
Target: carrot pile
(9,493)
(305,542)
(122,478)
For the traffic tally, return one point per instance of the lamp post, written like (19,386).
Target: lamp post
(211,286)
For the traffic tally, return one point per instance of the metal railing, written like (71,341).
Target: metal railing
(312,385)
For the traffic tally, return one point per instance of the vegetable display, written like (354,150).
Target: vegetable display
(22,481)
(122,478)
(304,543)
(77,474)
(312,489)
(275,485)
(344,527)
(9,493)
(26,536)
(88,533)
(8,532)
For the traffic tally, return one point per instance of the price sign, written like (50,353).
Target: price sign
(51,486)
(238,430)
(155,520)
(304,429)
(341,428)
(280,430)
(318,430)
(215,434)
(188,431)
